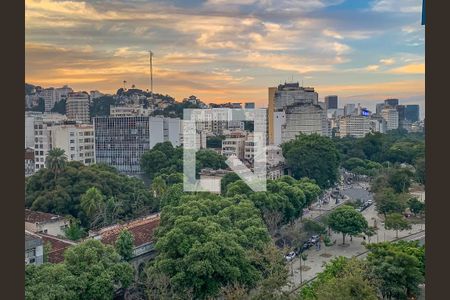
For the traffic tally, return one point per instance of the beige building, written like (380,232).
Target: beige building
(77,107)
(40,222)
(234,144)
(77,140)
(391,117)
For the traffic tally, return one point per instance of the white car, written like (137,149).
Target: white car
(290,256)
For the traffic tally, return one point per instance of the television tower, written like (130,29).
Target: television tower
(151,71)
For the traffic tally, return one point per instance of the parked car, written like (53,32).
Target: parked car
(370,202)
(290,256)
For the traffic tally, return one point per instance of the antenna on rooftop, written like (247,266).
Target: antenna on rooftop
(151,71)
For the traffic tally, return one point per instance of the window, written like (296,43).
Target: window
(41,152)
(72,134)
(72,141)
(72,148)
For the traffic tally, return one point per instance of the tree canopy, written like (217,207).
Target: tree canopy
(90,270)
(348,221)
(312,156)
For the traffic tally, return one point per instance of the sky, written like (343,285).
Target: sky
(230,50)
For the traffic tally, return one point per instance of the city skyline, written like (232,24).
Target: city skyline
(364,52)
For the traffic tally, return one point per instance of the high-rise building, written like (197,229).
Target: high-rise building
(391,117)
(331,102)
(120,142)
(349,109)
(77,107)
(270,114)
(412,112)
(49,96)
(379,107)
(391,102)
(293,110)
(77,141)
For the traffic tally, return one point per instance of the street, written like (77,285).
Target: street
(316,259)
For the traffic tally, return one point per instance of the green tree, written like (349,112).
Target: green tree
(419,164)
(352,283)
(90,270)
(346,220)
(400,180)
(416,206)
(204,244)
(399,268)
(158,186)
(226,180)
(210,159)
(153,161)
(313,227)
(91,201)
(396,221)
(74,232)
(387,201)
(56,161)
(60,107)
(125,245)
(312,156)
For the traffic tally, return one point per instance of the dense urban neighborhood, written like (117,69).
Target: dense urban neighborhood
(107,215)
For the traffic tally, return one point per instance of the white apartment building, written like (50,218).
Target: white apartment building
(253,143)
(354,125)
(279,120)
(391,117)
(234,144)
(77,140)
(49,96)
(77,107)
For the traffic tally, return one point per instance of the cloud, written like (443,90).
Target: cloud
(399,6)
(387,61)
(372,68)
(409,69)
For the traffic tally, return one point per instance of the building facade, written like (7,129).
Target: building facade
(354,125)
(34,249)
(77,107)
(77,141)
(120,142)
(412,113)
(391,117)
(331,102)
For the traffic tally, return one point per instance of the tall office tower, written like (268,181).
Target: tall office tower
(49,96)
(120,142)
(302,112)
(249,105)
(391,102)
(402,123)
(378,108)
(391,117)
(412,112)
(270,114)
(349,109)
(331,102)
(77,107)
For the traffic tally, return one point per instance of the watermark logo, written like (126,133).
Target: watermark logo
(197,121)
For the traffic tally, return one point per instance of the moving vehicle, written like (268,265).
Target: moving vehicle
(290,256)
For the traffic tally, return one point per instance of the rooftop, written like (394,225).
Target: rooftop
(58,247)
(142,229)
(32,216)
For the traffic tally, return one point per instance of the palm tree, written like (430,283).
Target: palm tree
(56,160)
(91,201)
